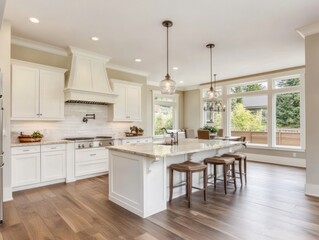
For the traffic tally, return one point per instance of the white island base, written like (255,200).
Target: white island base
(138,174)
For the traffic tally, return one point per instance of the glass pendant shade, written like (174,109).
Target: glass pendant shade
(168,85)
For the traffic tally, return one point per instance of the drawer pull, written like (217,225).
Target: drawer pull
(93,154)
(53,147)
(25,150)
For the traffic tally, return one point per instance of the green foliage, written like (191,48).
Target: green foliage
(288,110)
(37,134)
(210,128)
(160,123)
(244,120)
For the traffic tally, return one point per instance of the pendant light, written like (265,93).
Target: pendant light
(212,101)
(168,85)
(211,93)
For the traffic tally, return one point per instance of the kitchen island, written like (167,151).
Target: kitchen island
(138,175)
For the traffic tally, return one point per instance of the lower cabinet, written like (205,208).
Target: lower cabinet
(52,162)
(91,161)
(37,165)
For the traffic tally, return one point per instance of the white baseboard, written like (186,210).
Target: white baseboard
(294,162)
(312,189)
(7,194)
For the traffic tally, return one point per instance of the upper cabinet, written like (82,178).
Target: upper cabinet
(37,92)
(128,104)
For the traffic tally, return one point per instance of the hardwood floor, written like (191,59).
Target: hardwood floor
(271,206)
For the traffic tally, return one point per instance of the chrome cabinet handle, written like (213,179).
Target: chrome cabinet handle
(93,154)
(25,150)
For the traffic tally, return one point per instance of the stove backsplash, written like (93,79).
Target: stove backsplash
(73,124)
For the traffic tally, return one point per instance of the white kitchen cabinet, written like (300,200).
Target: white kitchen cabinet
(25,165)
(136,140)
(128,104)
(52,162)
(37,92)
(35,165)
(91,161)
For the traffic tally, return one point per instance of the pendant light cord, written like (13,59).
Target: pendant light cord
(167,49)
(211,69)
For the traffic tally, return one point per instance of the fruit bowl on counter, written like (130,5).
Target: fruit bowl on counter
(34,137)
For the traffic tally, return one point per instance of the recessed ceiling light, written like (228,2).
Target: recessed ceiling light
(34,20)
(95,38)
(138,60)
(175,68)
(181,81)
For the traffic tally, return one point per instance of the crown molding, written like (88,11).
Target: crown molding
(308,30)
(126,69)
(38,46)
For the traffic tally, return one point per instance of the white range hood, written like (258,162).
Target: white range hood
(87,80)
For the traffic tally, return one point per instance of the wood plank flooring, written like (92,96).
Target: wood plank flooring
(271,206)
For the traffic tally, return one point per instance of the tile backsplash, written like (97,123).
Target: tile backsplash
(73,125)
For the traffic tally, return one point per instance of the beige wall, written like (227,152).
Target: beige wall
(5,40)
(312,114)
(40,57)
(192,109)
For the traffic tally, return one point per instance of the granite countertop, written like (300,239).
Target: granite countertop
(43,142)
(184,146)
(134,137)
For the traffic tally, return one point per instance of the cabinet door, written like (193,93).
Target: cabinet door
(52,165)
(25,169)
(119,107)
(25,92)
(51,95)
(133,103)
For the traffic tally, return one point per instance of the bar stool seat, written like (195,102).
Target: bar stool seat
(189,168)
(239,157)
(226,162)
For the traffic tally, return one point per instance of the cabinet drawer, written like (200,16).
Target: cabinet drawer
(91,154)
(91,167)
(26,149)
(52,147)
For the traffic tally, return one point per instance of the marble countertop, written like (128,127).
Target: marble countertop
(43,142)
(185,146)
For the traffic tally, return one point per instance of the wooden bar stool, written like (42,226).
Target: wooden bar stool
(189,168)
(240,157)
(225,162)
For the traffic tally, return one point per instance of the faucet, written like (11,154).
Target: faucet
(88,116)
(174,136)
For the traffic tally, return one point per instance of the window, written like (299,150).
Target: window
(267,111)
(248,87)
(249,118)
(164,112)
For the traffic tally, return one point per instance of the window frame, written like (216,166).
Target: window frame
(271,93)
(174,104)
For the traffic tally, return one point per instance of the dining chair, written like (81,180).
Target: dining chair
(190,133)
(203,134)
(220,132)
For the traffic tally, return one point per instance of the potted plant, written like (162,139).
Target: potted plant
(134,130)
(140,131)
(212,129)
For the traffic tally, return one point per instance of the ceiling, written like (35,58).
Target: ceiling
(250,36)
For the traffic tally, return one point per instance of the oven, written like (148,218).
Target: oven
(91,156)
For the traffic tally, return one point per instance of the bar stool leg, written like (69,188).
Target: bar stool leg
(215,178)
(205,184)
(170,184)
(245,169)
(189,185)
(225,177)
(234,174)
(240,171)
(187,193)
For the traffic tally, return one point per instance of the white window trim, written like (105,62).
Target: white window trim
(175,105)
